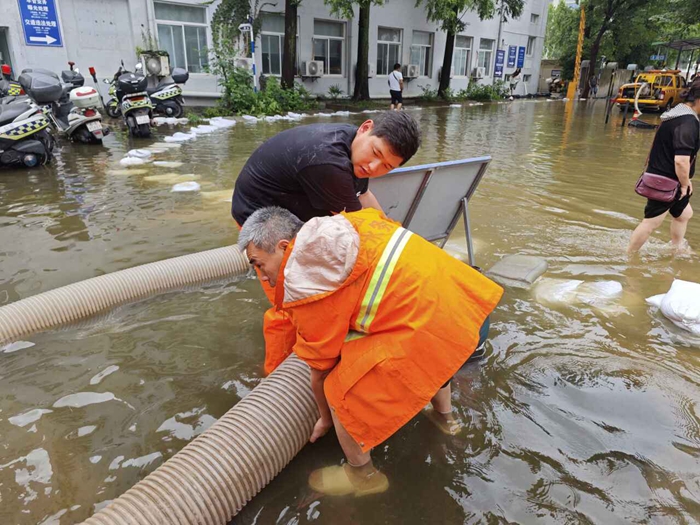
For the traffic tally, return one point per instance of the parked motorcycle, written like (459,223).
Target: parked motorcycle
(75,115)
(163,90)
(135,105)
(25,138)
(9,87)
(163,86)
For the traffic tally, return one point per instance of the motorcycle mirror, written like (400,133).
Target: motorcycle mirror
(71,64)
(93,74)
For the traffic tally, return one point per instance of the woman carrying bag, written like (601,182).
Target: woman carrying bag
(666,181)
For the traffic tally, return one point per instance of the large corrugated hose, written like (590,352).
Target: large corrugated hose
(212,478)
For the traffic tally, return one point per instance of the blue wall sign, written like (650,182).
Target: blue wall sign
(657,57)
(498,69)
(512,53)
(40,23)
(521,56)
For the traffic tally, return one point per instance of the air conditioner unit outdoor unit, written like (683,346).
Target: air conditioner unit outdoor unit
(371,69)
(244,63)
(479,72)
(411,71)
(313,68)
(155,64)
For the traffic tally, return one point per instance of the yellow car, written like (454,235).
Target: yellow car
(660,90)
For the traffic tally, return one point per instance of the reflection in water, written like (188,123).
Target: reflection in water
(584,409)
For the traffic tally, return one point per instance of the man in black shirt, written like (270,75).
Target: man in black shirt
(322,169)
(673,155)
(315,171)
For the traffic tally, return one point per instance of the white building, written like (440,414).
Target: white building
(101,33)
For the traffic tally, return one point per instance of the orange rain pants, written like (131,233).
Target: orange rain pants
(401,325)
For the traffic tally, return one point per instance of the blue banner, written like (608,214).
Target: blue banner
(521,56)
(500,57)
(512,53)
(40,23)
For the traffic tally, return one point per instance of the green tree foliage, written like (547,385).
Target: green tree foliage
(450,13)
(624,31)
(345,9)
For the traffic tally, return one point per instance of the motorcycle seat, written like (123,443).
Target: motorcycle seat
(9,112)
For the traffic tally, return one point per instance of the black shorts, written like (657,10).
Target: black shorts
(396,97)
(656,208)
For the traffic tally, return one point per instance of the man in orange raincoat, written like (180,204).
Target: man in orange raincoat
(384,319)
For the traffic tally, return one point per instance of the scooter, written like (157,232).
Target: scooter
(163,86)
(134,103)
(25,139)
(163,91)
(9,87)
(75,114)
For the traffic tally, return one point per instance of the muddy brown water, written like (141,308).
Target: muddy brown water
(585,409)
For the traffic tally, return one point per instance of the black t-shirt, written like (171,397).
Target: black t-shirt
(306,170)
(677,136)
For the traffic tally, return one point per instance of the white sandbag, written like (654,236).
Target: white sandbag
(557,291)
(132,161)
(204,129)
(249,118)
(186,186)
(372,111)
(139,153)
(159,121)
(598,293)
(455,105)
(221,122)
(167,163)
(681,305)
(272,118)
(324,114)
(180,137)
(342,113)
(655,300)
(295,116)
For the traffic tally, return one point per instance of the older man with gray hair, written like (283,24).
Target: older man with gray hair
(384,319)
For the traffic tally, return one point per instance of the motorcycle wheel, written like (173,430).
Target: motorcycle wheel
(172,109)
(144,131)
(113,110)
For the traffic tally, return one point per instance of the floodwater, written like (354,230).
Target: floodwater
(585,409)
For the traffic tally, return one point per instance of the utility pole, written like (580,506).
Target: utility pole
(498,44)
(573,85)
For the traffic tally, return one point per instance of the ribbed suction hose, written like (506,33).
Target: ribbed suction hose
(85,298)
(212,478)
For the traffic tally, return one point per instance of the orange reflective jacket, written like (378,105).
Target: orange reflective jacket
(390,313)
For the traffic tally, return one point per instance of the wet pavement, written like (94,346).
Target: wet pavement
(583,411)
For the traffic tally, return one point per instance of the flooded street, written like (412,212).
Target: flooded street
(585,409)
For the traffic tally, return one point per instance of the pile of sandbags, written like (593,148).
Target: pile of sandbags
(681,305)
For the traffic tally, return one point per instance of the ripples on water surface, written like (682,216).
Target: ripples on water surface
(584,411)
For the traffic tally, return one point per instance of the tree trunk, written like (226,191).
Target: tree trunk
(593,59)
(289,58)
(361,71)
(446,64)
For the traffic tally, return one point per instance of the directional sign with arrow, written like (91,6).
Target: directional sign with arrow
(40,22)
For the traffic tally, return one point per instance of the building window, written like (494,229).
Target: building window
(388,49)
(182,32)
(272,40)
(534,19)
(485,55)
(328,45)
(531,40)
(420,51)
(461,56)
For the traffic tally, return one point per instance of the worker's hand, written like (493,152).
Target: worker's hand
(687,190)
(321,428)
